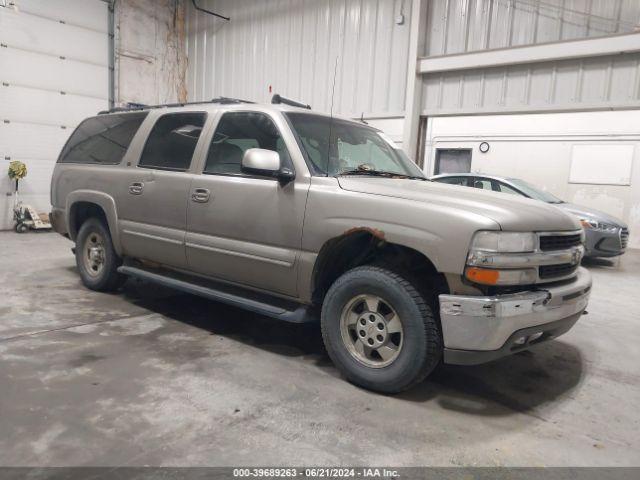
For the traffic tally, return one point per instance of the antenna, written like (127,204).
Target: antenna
(333,91)
(362,119)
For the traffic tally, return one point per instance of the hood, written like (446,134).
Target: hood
(511,212)
(581,211)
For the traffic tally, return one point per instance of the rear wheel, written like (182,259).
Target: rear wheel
(379,330)
(96,258)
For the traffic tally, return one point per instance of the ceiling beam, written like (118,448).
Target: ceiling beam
(568,49)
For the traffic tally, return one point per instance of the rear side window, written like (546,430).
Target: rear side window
(172,141)
(103,139)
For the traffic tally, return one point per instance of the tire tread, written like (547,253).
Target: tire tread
(429,324)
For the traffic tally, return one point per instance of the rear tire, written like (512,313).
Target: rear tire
(96,259)
(379,330)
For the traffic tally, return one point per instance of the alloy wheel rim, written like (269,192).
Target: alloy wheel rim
(371,330)
(94,254)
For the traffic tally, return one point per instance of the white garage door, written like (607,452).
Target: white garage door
(54,72)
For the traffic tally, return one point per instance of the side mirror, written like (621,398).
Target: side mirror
(265,162)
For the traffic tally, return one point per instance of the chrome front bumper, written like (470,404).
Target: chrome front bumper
(481,329)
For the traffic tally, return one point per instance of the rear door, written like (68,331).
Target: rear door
(152,203)
(245,228)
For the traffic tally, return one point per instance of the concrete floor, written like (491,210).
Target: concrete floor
(151,377)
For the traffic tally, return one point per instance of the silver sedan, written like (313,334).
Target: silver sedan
(606,236)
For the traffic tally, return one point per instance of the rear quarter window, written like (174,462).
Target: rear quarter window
(103,139)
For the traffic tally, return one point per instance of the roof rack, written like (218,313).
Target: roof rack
(280,99)
(130,107)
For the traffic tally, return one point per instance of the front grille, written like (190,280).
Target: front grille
(559,242)
(624,238)
(561,270)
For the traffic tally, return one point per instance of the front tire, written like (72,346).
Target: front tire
(96,258)
(379,330)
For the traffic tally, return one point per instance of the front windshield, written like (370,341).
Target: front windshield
(352,149)
(534,192)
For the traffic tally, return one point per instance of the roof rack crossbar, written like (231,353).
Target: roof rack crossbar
(130,107)
(286,101)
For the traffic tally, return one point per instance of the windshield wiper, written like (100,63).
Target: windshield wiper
(382,173)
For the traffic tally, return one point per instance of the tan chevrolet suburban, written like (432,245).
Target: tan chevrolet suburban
(307,217)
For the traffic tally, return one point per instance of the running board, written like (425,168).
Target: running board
(220,293)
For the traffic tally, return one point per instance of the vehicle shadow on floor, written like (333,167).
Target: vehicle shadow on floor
(597,262)
(518,383)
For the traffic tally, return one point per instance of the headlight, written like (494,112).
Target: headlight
(493,253)
(504,242)
(591,224)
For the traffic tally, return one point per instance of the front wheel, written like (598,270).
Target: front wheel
(96,258)
(379,330)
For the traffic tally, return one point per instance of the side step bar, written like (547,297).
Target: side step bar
(301,314)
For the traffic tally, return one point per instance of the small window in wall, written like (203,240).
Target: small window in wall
(102,140)
(172,141)
(453,160)
(236,133)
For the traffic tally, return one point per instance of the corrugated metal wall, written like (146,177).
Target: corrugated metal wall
(601,82)
(456,26)
(292,46)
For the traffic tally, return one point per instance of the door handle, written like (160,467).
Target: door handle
(200,195)
(136,188)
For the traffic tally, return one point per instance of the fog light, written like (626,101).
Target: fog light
(520,341)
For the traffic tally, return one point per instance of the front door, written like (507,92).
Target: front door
(152,203)
(244,228)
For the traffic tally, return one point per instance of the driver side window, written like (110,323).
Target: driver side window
(236,133)
(482,183)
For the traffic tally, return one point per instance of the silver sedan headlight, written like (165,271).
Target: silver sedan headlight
(591,224)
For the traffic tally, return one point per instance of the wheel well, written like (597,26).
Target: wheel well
(80,212)
(366,247)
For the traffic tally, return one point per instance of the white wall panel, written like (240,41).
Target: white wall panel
(82,13)
(63,75)
(30,32)
(606,164)
(32,105)
(22,141)
(292,46)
